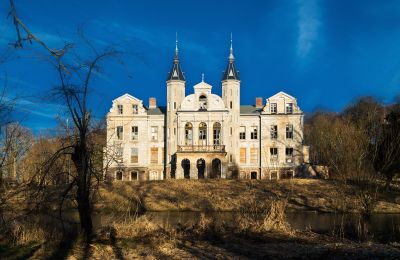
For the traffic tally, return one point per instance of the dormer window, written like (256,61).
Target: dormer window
(120,109)
(203,102)
(289,108)
(274,108)
(134,109)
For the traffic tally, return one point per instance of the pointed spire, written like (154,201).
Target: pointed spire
(202,77)
(231,57)
(176,72)
(231,72)
(176,45)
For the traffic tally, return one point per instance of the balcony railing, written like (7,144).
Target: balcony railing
(201,148)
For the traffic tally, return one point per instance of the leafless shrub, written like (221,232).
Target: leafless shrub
(259,216)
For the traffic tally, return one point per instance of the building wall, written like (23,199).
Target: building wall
(261,167)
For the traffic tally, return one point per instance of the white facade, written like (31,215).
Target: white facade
(203,135)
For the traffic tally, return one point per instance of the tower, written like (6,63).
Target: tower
(231,97)
(175,95)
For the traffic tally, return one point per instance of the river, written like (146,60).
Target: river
(381,227)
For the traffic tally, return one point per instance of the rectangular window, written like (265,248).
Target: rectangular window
(134,176)
(134,109)
(253,155)
(289,131)
(119,152)
(274,108)
(274,153)
(231,130)
(254,134)
(120,109)
(174,105)
(274,132)
(134,155)
(154,155)
(230,104)
(154,133)
(243,155)
(289,108)
(135,133)
(289,155)
(202,134)
(289,152)
(230,158)
(242,133)
(120,132)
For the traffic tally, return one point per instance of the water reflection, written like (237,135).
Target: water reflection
(381,227)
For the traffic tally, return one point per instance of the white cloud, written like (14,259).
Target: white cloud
(308,25)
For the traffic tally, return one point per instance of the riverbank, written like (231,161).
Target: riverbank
(230,195)
(141,238)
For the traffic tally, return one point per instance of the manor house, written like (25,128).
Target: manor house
(203,135)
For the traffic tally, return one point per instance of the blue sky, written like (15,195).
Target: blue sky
(325,53)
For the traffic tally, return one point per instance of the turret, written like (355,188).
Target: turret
(231,97)
(175,95)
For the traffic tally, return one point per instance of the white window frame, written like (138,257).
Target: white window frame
(154,133)
(120,109)
(289,131)
(274,132)
(274,108)
(135,134)
(120,134)
(254,133)
(242,133)
(135,109)
(289,108)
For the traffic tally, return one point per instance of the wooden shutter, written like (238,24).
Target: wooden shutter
(242,155)
(154,155)
(253,155)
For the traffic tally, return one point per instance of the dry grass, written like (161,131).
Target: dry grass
(230,195)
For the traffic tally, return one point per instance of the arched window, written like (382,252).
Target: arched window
(203,102)
(188,134)
(118,175)
(217,133)
(202,134)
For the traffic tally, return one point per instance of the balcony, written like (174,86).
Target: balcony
(202,148)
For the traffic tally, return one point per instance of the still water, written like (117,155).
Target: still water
(381,227)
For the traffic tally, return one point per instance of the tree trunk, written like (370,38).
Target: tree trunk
(80,159)
(388,182)
(85,217)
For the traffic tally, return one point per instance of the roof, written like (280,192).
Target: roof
(176,71)
(231,71)
(156,111)
(250,110)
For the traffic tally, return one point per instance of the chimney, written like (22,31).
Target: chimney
(259,102)
(152,102)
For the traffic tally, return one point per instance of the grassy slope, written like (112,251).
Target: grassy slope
(229,195)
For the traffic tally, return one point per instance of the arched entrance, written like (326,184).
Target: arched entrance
(201,166)
(216,169)
(186,168)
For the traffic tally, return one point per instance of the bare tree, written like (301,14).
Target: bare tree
(386,148)
(76,75)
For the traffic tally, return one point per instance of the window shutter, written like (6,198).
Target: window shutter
(253,155)
(242,155)
(154,155)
